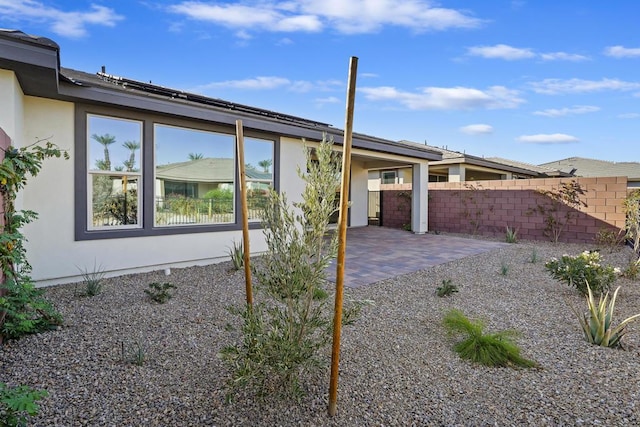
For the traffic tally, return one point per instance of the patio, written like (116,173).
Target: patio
(378,253)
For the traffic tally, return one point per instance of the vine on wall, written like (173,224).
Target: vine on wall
(23,309)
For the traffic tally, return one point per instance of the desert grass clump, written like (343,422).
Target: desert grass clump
(597,324)
(504,268)
(134,352)
(533,258)
(446,289)
(511,235)
(92,280)
(236,253)
(497,349)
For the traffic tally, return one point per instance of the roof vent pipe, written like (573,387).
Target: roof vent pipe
(104,69)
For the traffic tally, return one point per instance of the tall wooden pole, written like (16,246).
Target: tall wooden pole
(245,211)
(342,236)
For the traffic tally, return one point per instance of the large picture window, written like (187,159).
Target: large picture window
(115,170)
(142,175)
(195,176)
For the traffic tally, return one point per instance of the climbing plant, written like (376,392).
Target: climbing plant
(23,309)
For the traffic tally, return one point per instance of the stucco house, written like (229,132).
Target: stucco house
(101,207)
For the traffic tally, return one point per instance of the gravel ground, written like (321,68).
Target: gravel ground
(397,363)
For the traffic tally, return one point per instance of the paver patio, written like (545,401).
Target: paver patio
(378,253)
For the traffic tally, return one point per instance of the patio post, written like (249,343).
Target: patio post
(342,236)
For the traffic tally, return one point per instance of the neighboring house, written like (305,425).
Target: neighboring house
(580,166)
(129,141)
(459,167)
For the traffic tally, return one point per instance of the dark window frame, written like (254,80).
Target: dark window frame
(148,198)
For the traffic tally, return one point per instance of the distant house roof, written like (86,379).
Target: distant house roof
(450,157)
(592,167)
(543,170)
(206,170)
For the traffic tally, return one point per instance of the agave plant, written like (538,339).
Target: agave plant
(597,323)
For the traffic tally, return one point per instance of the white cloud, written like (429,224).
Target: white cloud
(558,86)
(68,24)
(453,98)
(629,116)
(327,100)
(563,56)
(501,51)
(478,129)
(510,53)
(271,83)
(352,17)
(554,138)
(622,52)
(368,75)
(576,109)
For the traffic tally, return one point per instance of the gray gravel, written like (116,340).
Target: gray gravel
(397,366)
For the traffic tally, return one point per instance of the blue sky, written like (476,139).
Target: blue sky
(533,81)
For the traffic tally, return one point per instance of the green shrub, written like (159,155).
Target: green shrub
(496,349)
(159,292)
(446,289)
(534,256)
(25,310)
(579,270)
(597,324)
(18,403)
(222,200)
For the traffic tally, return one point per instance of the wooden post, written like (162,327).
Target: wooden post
(245,211)
(342,236)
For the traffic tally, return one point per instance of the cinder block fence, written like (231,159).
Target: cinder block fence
(488,207)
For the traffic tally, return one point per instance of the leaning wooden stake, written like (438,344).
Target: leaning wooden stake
(342,236)
(245,212)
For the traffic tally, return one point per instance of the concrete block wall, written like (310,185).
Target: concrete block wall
(395,200)
(488,207)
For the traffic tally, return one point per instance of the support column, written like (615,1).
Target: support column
(419,223)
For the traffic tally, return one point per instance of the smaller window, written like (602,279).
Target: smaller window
(389,177)
(114,178)
(258,155)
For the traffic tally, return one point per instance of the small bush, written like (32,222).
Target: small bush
(608,238)
(579,270)
(18,403)
(632,270)
(446,289)
(159,292)
(534,256)
(496,349)
(597,324)
(25,310)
